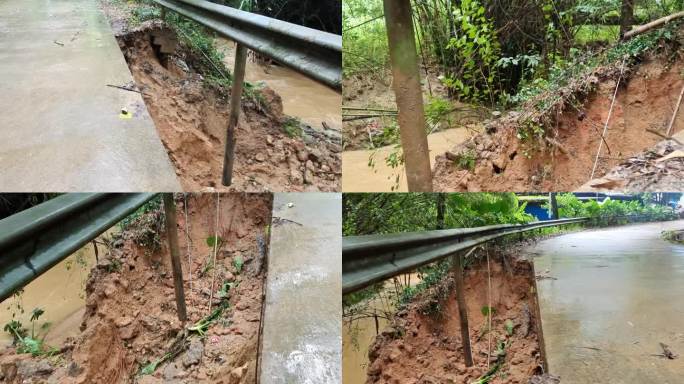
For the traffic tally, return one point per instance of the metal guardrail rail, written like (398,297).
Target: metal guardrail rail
(35,240)
(373,258)
(314,53)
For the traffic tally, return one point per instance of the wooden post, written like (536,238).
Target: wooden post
(462,310)
(162,12)
(409,94)
(235,96)
(172,236)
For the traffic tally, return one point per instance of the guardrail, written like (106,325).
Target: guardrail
(369,259)
(314,53)
(35,240)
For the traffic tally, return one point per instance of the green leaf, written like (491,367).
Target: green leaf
(508,325)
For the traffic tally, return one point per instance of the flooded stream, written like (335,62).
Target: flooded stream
(306,99)
(357,337)
(60,292)
(357,176)
(616,294)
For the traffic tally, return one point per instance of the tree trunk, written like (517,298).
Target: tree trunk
(441,199)
(409,94)
(626,16)
(554,206)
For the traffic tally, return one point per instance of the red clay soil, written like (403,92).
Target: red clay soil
(422,347)
(131,318)
(644,101)
(191,119)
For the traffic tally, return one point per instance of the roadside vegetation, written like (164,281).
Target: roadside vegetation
(536,58)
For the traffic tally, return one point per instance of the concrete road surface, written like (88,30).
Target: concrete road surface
(614,295)
(61,125)
(302,333)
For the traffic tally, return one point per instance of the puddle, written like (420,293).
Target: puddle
(618,294)
(357,176)
(60,292)
(306,99)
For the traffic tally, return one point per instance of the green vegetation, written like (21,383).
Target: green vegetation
(31,344)
(611,212)
(542,63)
(293,127)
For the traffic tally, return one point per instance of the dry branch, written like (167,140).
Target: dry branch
(652,25)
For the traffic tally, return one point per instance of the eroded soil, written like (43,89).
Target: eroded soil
(424,343)
(130,317)
(191,119)
(645,100)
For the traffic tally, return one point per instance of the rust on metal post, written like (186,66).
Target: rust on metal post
(409,94)
(236,94)
(172,236)
(462,310)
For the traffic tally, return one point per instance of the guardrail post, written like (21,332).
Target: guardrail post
(462,310)
(409,94)
(172,237)
(236,94)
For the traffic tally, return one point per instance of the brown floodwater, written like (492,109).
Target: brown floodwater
(617,294)
(60,292)
(359,335)
(306,99)
(357,176)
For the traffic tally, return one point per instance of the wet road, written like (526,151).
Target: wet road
(618,293)
(302,340)
(61,126)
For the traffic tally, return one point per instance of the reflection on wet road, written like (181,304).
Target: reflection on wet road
(614,295)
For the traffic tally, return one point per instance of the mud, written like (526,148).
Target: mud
(424,344)
(191,119)
(505,163)
(130,315)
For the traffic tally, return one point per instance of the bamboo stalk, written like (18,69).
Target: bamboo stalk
(674,115)
(652,25)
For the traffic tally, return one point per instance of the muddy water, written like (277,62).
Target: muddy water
(357,176)
(306,99)
(619,293)
(357,337)
(60,292)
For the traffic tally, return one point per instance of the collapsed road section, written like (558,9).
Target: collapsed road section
(174,292)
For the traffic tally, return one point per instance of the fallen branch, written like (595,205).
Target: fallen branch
(674,115)
(664,136)
(652,25)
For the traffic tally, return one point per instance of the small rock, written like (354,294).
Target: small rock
(128,332)
(237,374)
(123,321)
(269,139)
(30,368)
(194,353)
(260,157)
(302,155)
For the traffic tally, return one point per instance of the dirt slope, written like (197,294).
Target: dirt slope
(424,344)
(130,318)
(505,163)
(191,119)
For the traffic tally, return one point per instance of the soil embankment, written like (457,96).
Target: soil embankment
(424,345)
(645,101)
(130,318)
(191,119)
